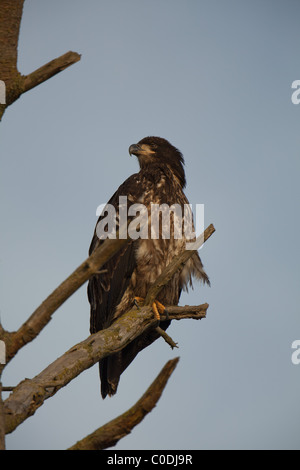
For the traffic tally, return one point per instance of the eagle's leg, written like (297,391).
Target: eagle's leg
(157,307)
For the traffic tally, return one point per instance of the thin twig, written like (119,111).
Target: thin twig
(166,337)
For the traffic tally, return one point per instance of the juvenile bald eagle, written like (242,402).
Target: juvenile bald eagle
(133,269)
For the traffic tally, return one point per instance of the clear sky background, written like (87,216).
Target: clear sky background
(214,78)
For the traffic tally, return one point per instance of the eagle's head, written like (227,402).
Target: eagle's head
(158,151)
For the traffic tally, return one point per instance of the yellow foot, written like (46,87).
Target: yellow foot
(157,307)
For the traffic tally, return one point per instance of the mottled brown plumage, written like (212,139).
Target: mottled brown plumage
(131,271)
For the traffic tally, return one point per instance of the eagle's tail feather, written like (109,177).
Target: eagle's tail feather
(109,375)
(113,366)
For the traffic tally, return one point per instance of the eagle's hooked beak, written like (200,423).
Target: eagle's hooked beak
(134,149)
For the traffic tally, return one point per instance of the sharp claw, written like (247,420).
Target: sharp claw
(137,300)
(157,307)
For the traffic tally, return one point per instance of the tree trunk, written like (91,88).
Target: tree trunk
(10,19)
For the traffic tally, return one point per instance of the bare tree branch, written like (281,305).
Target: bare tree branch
(197,312)
(109,434)
(178,313)
(49,70)
(166,337)
(30,394)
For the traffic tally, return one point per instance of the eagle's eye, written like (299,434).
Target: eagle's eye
(148,149)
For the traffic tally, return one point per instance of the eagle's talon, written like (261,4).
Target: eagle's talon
(138,300)
(157,307)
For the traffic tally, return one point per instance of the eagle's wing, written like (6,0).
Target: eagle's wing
(106,289)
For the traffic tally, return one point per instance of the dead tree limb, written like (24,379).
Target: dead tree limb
(109,434)
(178,313)
(30,394)
(49,70)
(197,312)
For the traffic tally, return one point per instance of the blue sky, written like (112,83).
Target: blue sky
(214,78)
